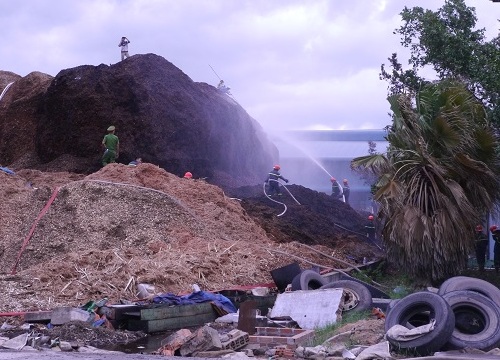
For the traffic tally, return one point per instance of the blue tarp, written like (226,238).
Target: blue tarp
(195,298)
(7,170)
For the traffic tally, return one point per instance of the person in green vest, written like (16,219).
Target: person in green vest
(111,146)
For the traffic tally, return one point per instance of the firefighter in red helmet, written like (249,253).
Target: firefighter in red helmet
(346,190)
(336,192)
(272,179)
(370,228)
(481,243)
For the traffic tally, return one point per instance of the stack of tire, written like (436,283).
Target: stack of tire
(466,313)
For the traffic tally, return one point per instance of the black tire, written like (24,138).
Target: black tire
(477,321)
(308,280)
(284,275)
(471,284)
(357,297)
(416,309)
(376,292)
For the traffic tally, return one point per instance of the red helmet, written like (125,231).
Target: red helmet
(276,167)
(493,228)
(479,228)
(188,175)
(333,179)
(370,217)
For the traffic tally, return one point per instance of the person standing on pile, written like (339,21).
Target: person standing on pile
(346,190)
(111,146)
(272,179)
(495,232)
(124,47)
(481,244)
(336,191)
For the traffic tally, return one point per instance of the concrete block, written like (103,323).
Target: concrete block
(63,315)
(269,337)
(38,317)
(237,340)
(311,309)
(65,346)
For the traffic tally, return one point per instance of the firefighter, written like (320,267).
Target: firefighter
(481,243)
(272,180)
(495,232)
(370,229)
(346,190)
(336,192)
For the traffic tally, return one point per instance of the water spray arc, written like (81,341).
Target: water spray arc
(214,71)
(227,92)
(5,90)
(312,158)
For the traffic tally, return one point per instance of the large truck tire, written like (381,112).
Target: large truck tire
(376,292)
(415,310)
(472,284)
(308,280)
(357,297)
(477,321)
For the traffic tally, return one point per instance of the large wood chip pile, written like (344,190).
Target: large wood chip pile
(109,231)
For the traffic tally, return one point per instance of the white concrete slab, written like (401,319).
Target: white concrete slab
(311,309)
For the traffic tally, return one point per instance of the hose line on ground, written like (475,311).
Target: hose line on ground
(269,197)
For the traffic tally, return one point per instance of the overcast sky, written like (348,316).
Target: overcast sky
(292,64)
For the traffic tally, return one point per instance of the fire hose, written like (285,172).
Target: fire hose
(279,202)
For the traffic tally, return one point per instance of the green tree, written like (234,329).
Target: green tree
(441,166)
(447,40)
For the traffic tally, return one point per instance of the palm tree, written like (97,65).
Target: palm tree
(437,180)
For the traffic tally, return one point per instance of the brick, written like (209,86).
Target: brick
(237,342)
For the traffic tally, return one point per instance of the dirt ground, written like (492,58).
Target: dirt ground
(67,238)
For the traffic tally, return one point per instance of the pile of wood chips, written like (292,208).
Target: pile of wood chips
(121,226)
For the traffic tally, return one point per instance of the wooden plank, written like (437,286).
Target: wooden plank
(165,312)
(152,326)
(117,312)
